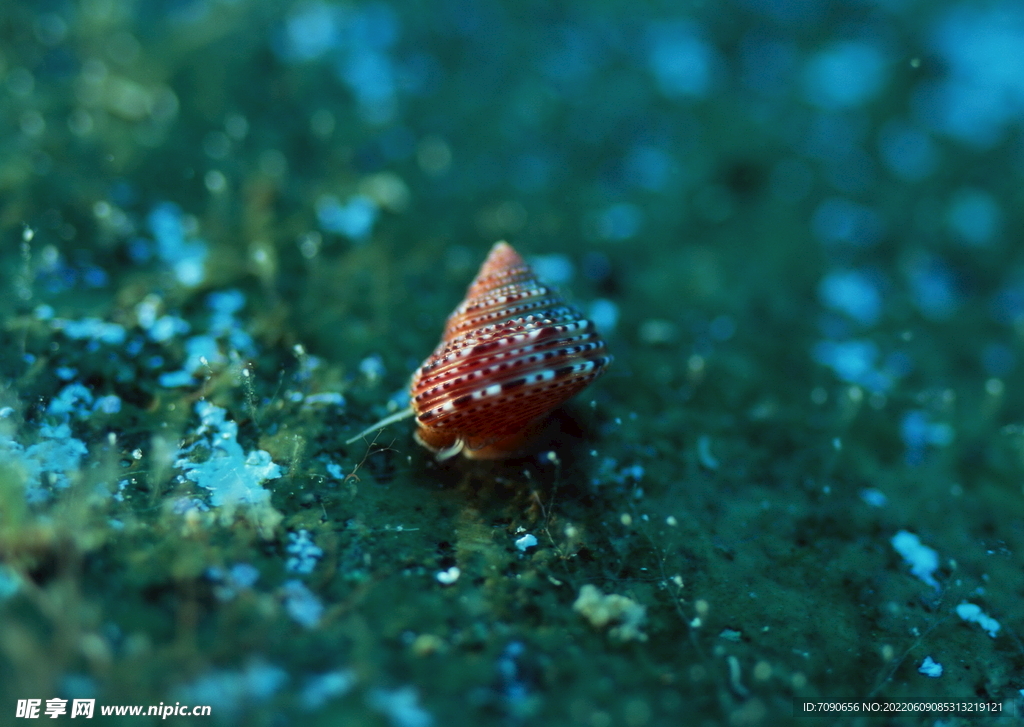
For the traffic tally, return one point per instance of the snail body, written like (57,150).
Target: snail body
(511,352)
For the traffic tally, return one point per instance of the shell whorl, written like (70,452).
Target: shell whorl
(511,352)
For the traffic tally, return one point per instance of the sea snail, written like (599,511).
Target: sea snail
(510,353)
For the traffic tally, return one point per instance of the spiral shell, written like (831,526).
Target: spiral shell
(511,352)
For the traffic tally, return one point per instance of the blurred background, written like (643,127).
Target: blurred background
(230,230)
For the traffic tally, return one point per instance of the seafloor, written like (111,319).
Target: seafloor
(231,229)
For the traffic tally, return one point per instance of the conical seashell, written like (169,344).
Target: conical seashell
(510,353)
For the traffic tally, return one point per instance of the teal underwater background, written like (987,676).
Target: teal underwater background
(230,230)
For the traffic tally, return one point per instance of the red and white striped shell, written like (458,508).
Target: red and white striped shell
(511,352)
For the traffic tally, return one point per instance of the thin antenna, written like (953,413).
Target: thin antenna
(396,417)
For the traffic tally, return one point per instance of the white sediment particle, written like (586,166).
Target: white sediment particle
(918,432)
(448,577)
(873,497)
(854,293)
(92,329)
(326,398)
(66,373)
(201,352)
(72,399)
(186,256)
(304,553)
(243,575)
(159,328)
(46,465)
(372,367)
(609,472)
(302,604)
(704,455)
(184,505)
(854,361)
(923,561)
(526,542)
(320,688)
(109,404)
(930,668)
(233,477)
(175,379)
(401,707)
(239,577)
(146,311)
(354,219)
(229,692)
(224,306)
(167,327)
(972,613)
(625,616)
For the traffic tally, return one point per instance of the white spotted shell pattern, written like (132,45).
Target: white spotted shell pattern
(511,352)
